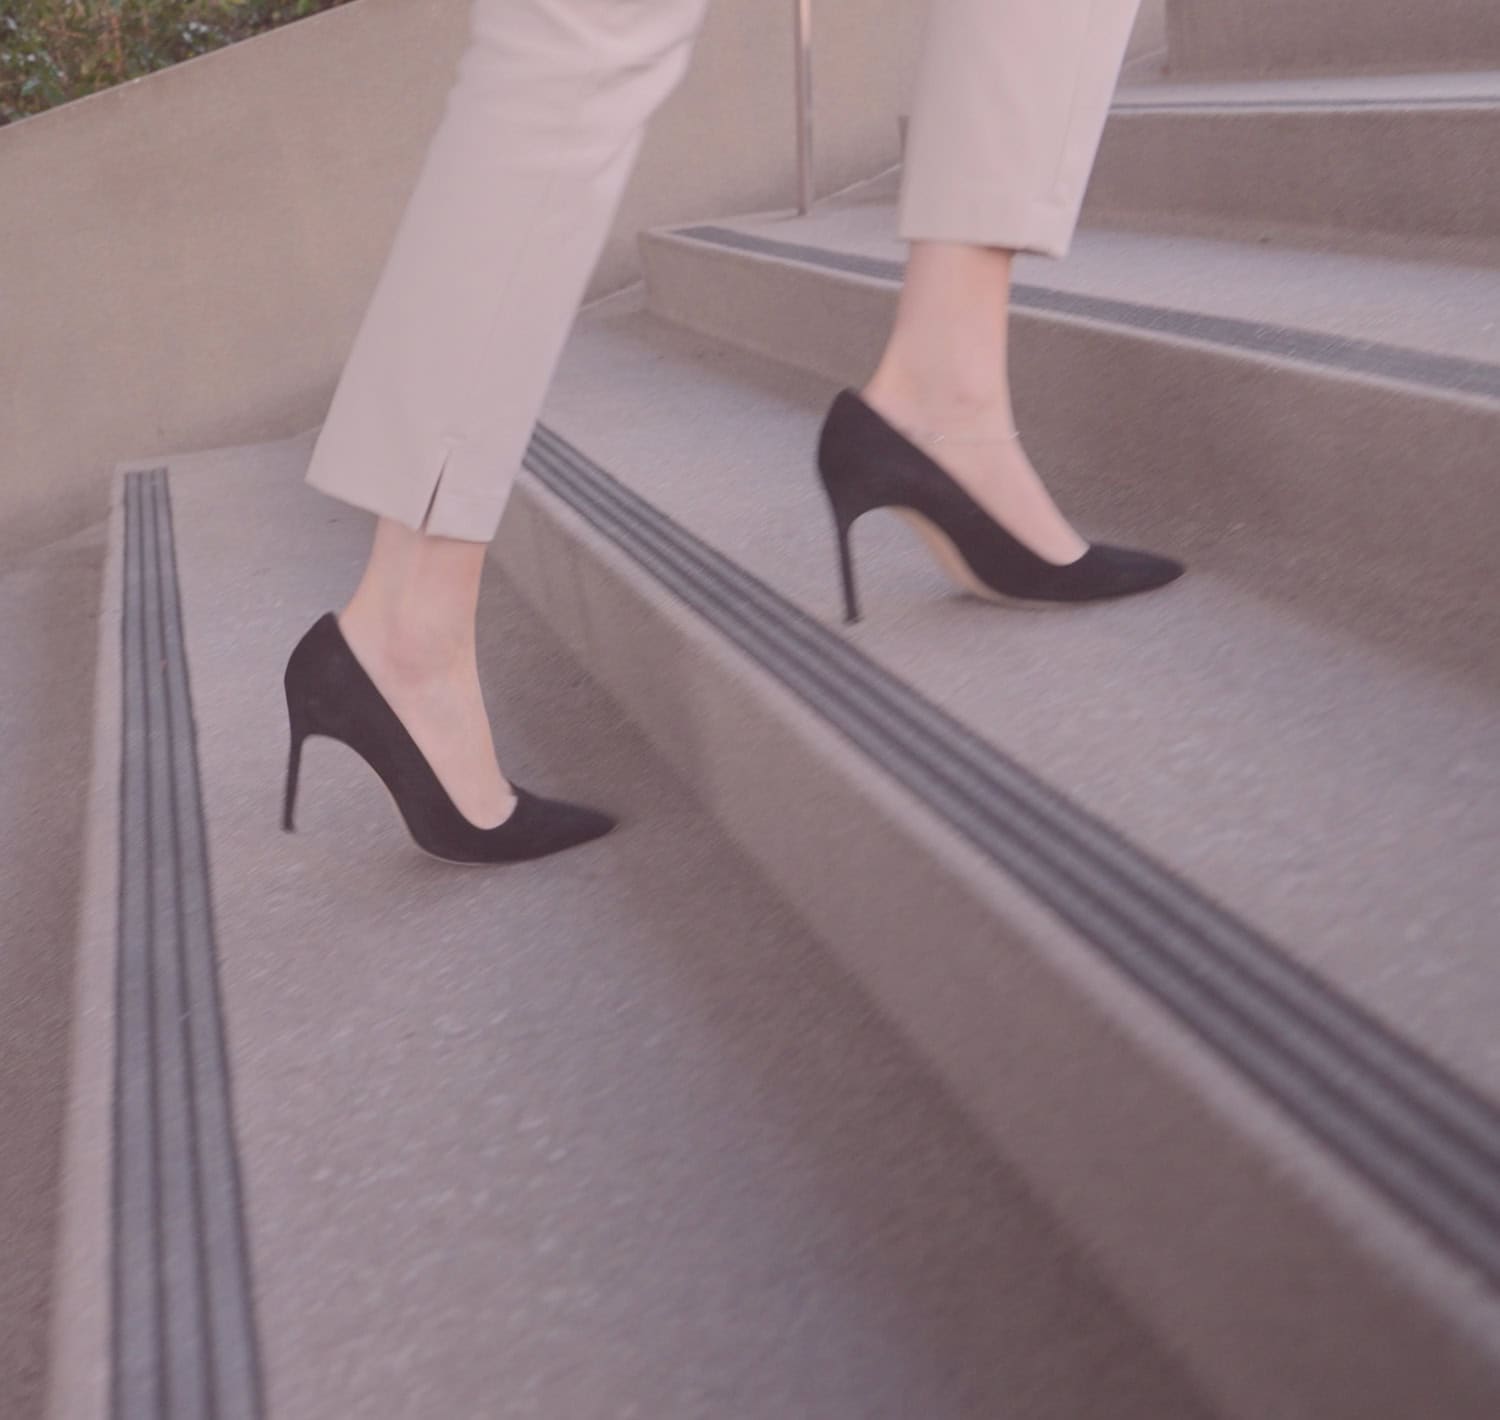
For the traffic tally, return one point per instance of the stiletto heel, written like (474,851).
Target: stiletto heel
(329,693)
(293,770)
(846,571)
(866,464)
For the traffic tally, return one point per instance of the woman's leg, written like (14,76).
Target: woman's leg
(945,370)
(410,623)
(441,389)
(1011,101)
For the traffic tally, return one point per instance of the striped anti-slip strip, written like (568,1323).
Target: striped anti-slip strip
(1344,354)
(1292,104)
(184,1341)
(1411,1127)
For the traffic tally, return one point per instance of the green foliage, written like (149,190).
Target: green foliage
(55,50)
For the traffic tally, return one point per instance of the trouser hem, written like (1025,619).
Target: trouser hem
(436,504)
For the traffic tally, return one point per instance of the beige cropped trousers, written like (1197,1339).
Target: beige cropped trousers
(522,178)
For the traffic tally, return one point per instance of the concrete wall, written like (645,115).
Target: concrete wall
(195,248)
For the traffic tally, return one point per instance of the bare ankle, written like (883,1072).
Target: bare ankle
(413,612)
(954,398)
(411,648)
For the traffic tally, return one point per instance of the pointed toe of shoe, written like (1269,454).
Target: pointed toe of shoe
(541,827)
(1155,571)
(1125,571)
(581,824)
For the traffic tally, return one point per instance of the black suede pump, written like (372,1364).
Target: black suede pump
(866,463)
(329,693)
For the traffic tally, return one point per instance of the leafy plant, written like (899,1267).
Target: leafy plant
(52,51)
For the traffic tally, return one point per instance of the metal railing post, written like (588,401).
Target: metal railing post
(803,9)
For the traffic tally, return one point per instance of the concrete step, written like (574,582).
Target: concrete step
(1324,424)
(48,605)
(907,785)
(1254,37)
(606,1136)
(1396,164)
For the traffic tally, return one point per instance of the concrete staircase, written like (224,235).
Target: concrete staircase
(613,1138)
(978,1014)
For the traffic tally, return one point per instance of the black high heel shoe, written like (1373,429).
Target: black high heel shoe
(329,693)
(866,463)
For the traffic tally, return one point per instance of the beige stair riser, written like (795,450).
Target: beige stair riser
(1370,502)
(1220,38)
(1418,180)
(1110,1110)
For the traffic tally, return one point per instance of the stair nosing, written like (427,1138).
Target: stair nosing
(183,1329)
(1470,103)
(1463,1213)
(1448,376)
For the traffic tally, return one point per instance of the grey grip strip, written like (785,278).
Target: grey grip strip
(1410,1127)
(184,1338)
(1288,104)
(1449,374)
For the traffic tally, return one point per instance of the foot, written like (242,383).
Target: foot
(433,686)
(979,450)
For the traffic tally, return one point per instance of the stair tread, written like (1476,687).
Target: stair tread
(1340,794)
(1433,307)
(612,1126)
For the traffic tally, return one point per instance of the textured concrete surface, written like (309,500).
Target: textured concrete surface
(608,1136)
(1363,496)
(1340,792)
(1270,36)
(1350,163)
(1292,1287)
(49,603)
(1444,309)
